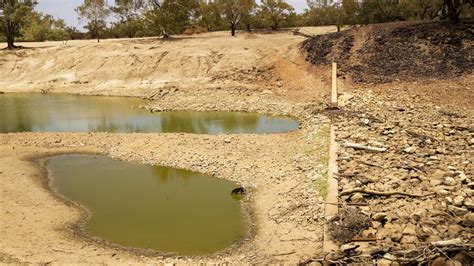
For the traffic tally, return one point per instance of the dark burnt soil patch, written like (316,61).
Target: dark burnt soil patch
(403,51)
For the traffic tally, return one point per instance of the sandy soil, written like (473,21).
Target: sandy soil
(258,73)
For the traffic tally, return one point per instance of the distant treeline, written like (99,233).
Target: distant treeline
(140,18)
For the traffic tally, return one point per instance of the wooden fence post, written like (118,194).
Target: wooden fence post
(334,85)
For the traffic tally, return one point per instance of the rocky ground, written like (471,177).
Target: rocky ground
(415,187)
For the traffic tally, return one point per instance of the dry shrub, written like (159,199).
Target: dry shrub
(348,224)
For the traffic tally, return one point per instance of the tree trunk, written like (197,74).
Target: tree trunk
(10,34)
(248,27)
(339,19)
(10,40)
(453,13)
(232,30)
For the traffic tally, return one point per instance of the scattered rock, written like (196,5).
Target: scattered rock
(349,247)
(469,220)
(449,181)
(457,210)
(380,217)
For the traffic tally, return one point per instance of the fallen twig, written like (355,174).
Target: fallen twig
(364,147)
(348,204)
(380,193)
(420,136)
(364,239)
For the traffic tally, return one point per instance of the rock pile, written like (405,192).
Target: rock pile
(417,182)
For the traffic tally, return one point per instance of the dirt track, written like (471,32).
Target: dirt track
(259,73)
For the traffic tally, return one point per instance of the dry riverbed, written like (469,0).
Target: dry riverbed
(279,171)
(284,174)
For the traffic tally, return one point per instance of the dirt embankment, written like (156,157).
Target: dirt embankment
(398,51)
(254,62)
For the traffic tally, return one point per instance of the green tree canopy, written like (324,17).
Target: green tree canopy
(96,13)
(16,14)
(273,12)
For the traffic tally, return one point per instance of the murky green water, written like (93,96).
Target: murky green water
(21,112)
(161,208)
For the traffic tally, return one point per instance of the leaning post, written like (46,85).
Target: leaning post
(334,85)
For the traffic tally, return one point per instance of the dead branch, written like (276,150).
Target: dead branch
(420,136)
(380,193)
(348,204)
(364,239)
(364,147)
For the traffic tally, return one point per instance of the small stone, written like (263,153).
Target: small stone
(469,204)
(410,149)
(471,185)
(376,225)
(457,210)
(454,230)
(410,229)
(380,216)
(416,215)
(396,237)
(357,197)
(439,174)
(462,177)
(469,192)
(458,201)
(349,247)
(439,261)
(409,240)
(384,262)
(227,141)
(443,192)
(449,181)
(469,220)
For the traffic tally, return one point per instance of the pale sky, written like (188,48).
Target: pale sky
(65,9)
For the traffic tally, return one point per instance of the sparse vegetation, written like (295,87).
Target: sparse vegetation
(322,186)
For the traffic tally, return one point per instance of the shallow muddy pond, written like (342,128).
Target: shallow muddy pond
(20,112)
(160,208)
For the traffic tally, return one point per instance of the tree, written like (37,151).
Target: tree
(233,12)
(42,27)
(15,15)
(248,13)
(210,16)
(427,8)
(273,12)
(130,17)
(96,13)
(167,17)
(454,8)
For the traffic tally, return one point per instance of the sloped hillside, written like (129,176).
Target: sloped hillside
(403,51)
